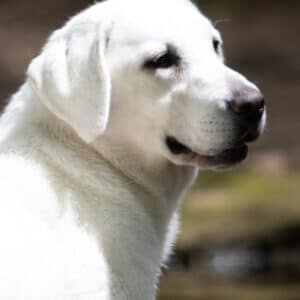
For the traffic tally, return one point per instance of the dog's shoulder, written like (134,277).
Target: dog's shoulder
(21,178)
(42,238)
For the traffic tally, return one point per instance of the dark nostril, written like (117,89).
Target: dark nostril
(249,103)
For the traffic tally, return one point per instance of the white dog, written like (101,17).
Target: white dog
(119,111)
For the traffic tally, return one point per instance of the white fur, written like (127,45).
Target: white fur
(89,190)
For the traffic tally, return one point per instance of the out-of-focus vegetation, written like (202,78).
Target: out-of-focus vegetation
(181,286)
(240,204)
(246,214)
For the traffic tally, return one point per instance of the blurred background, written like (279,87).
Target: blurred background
(240,236)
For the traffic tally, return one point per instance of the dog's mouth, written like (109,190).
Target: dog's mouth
(227,158)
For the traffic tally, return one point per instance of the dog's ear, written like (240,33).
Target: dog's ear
(71,78)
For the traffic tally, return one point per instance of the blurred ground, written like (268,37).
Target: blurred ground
(241,230)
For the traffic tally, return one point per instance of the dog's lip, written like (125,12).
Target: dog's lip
(226,158)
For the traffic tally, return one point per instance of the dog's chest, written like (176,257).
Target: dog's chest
(77,241)
(50,262)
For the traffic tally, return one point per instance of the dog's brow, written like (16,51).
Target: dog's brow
(172,49)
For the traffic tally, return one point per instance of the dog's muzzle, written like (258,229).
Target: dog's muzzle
(247,109)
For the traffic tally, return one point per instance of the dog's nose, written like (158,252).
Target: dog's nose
(248,103)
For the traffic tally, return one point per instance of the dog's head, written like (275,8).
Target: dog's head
(152,74)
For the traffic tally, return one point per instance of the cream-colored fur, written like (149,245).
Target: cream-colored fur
(89,190)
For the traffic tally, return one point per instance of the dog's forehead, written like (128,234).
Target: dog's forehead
(159,20)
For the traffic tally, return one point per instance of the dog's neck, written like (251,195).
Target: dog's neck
(155,174)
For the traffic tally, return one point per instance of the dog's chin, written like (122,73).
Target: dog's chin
(181,154)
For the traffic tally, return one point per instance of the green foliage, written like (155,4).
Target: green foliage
(239,204)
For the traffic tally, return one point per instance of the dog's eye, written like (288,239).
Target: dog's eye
(164,61)
(216,45)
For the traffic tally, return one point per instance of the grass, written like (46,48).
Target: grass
(239,204)
(181,287)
